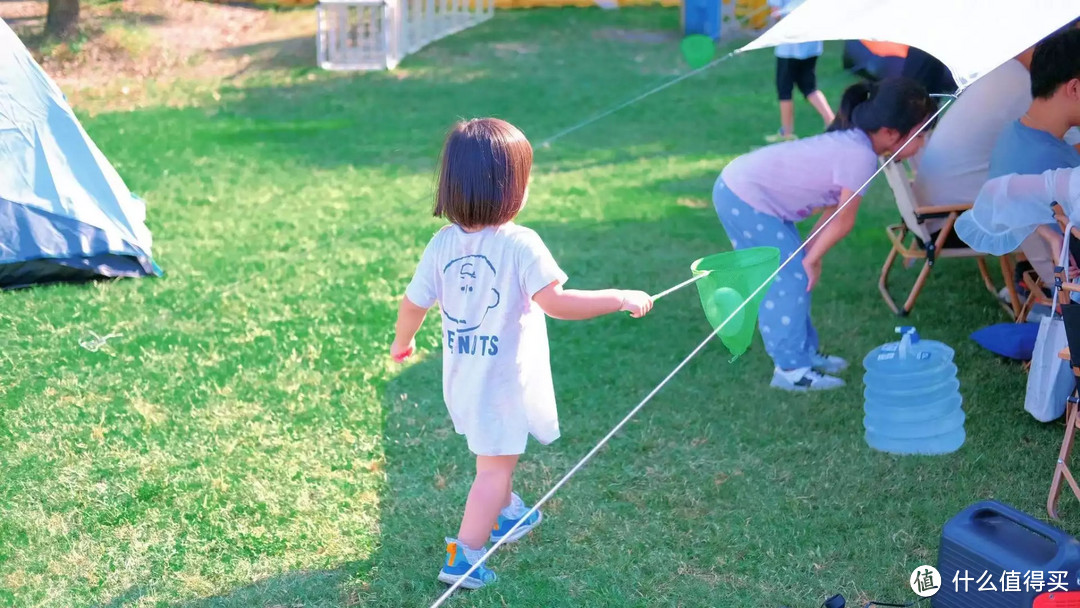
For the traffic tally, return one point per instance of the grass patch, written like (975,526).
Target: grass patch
(247,443)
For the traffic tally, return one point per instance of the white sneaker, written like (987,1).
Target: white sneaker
(829,364)
(1004,295)
(804,379)
(780,136)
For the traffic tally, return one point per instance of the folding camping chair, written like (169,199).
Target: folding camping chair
(1035,288)
(1038,288)
(923,247)
(1072,422)
(1070,313)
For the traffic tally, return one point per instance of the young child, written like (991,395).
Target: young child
(795,65)
(494,281)
(760,196)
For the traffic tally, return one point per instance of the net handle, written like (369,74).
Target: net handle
(680,285)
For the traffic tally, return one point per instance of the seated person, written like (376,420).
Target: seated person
(955,163)
(956,160)
(1035,143)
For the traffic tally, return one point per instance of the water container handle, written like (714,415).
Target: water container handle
(910,336)
(909,330)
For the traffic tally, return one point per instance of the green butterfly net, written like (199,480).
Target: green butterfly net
(729,278)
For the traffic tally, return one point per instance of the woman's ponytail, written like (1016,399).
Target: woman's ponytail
(894,103)
(854,96)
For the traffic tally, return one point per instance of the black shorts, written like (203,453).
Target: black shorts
(791,72)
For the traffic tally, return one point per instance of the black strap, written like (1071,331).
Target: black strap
(907,605)
(837,601)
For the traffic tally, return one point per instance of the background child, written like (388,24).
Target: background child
(795,65)
(759,197)
(494,281)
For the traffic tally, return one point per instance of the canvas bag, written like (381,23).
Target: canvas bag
(1051,380)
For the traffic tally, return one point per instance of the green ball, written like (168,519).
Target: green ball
(722,303)
(698,50)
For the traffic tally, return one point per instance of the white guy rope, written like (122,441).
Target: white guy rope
(581,463)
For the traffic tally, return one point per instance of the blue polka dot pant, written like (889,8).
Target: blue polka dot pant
(784,316)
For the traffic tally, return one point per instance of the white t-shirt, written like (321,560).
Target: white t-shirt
(496,366)
(955,163)
(798,50)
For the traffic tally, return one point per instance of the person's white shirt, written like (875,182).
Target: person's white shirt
(496,368)
(955,162)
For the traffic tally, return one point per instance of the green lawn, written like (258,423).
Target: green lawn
(247,442)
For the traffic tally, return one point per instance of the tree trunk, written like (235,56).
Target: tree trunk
(62,18)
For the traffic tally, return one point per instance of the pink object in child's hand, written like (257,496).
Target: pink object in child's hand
(403,356)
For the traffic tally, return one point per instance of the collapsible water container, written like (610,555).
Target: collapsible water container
(913,403)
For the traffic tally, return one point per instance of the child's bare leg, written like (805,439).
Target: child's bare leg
(817,99)
(787,116)
(489,494)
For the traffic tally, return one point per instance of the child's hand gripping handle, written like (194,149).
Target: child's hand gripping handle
(637,303)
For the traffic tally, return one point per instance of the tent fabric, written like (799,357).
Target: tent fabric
(42,248)
(971,37)
(65,213)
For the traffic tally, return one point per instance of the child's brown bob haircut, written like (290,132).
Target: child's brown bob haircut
(484,172)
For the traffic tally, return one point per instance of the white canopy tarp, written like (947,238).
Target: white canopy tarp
(971,37)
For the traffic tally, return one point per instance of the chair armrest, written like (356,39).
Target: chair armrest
(941,210)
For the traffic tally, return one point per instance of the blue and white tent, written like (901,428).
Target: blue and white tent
(65,214)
